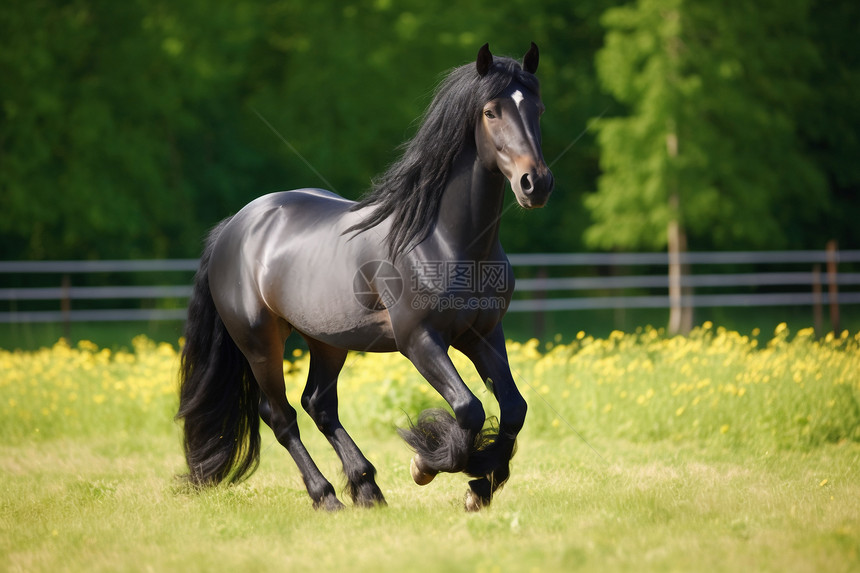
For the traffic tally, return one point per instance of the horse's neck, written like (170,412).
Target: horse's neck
(471,209)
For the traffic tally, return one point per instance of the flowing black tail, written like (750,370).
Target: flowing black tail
(219,398)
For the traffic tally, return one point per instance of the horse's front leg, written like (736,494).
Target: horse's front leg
(441,443)
(491,464)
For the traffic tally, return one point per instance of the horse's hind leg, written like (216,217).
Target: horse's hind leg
(320,401)
(264,349)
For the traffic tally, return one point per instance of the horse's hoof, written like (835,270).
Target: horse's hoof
(329,503)
(420,476)
(367,494)
(474,502)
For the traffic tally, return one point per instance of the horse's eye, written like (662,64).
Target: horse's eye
(489,114)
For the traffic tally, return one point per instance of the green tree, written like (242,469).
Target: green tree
(99,101)
(127,129)
(709,152)
(710,140)
(830,127)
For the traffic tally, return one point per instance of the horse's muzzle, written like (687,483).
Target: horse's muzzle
(534,189)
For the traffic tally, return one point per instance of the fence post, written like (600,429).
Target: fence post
(674,280)
(539,323)
(817,315)
(833,284)
(686,293)
(66,306)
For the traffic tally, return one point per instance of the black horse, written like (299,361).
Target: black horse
(416,266)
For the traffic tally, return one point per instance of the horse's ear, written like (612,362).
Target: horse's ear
(484,61)
(531,59)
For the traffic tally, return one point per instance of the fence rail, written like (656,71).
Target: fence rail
(107,266)
(810,286)
(705,258)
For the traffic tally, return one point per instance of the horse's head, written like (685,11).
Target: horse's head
(508,133)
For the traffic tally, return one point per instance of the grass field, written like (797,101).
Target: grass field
(641,452)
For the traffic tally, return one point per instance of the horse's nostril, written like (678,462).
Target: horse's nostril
(526,183)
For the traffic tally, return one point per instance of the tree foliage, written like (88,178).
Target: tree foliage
(104,107)
(713,138)
(127,129)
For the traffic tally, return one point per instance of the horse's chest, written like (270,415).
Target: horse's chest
(462,282)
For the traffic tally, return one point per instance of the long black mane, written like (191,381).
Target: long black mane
(410,191)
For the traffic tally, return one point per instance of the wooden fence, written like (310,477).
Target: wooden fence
(545,282)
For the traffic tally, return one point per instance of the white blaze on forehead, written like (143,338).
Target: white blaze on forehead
(517,97)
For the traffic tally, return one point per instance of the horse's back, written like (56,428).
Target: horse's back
(287,254)
(319,201)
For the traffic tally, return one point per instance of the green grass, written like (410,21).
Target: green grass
(756,470)
(104,504)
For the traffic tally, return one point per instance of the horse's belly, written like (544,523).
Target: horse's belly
(321,302)
(361,331)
